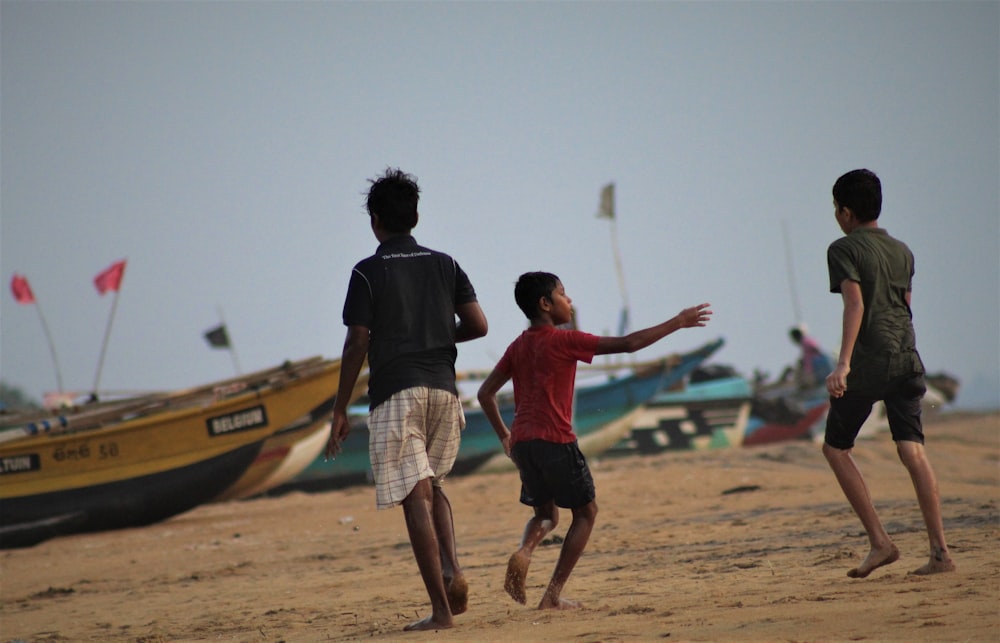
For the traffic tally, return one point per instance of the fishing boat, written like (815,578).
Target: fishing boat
(701,414)
(148,459)
(289,451)
(783,410)
(599,421)
(304,439)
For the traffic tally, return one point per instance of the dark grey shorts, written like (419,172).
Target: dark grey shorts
(553,472)
(902,408)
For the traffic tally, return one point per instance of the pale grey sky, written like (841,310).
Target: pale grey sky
(223,149)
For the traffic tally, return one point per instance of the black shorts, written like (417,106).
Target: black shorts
(553,472)
(902,408)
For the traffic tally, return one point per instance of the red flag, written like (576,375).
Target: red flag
(22,291)
(110,279)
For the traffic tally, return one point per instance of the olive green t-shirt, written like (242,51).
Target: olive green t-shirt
(886,345)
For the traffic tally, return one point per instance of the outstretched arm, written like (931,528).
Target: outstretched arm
(854,310)
(471,322)
(353,358)
(688,318)
(488,401)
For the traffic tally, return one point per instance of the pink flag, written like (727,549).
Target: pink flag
(22,291)
(110,279)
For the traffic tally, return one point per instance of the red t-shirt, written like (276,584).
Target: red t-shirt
(542,363)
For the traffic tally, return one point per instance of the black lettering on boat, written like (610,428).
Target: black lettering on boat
(243,420)
(20,463)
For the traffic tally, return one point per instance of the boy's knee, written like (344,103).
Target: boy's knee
(587,512)
(910,452)
(548,513)
(832,453)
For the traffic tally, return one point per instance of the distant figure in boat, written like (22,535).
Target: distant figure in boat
(813,366)
(541,442)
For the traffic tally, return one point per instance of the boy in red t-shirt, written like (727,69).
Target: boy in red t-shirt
(541,442)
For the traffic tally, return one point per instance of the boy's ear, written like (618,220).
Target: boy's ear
(544,304)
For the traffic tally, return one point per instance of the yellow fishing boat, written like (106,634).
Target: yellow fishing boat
(139,462)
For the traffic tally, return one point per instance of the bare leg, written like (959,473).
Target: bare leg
(883,551)
(454,580)
(576,540)
(915,459)
(418,508)
(540,525)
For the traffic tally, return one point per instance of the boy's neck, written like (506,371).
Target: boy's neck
(383,235)
(867,225)
(544,320)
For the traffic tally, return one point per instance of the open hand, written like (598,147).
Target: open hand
(695,316)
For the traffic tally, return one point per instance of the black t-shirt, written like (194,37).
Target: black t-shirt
(406,296)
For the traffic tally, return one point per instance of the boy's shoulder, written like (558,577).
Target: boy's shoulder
(555,337)
(868,240)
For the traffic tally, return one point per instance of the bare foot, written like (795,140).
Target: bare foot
(458,595)
(426,624)
(939,563)
(876,558)
(560,604)
(517,572)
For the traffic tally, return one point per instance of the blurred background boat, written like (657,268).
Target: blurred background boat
(709,410)
(143,460)
(598,420)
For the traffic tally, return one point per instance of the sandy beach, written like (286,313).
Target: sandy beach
(739,544)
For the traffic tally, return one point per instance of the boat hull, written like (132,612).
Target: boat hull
(132,502)
(282,456)
(705,415)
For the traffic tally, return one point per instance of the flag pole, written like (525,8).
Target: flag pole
(606,210)
(623,323)
(52,347)
(21,290)
(104,346)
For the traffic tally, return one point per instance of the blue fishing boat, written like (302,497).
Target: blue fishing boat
(706,414)
(598,421)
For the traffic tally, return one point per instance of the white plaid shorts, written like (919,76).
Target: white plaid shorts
(413,435)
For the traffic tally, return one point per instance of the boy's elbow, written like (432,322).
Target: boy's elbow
(631,344)
(473,328)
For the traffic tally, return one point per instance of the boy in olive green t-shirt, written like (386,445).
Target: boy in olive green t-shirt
(878,360)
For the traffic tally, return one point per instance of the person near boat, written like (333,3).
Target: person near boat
(400,312)
(554,473)
(814,364)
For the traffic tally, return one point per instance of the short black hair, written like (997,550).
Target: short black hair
(393,196)
(861,192)
(532,286)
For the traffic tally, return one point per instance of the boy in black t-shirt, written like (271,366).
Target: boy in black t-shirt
(400,313)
